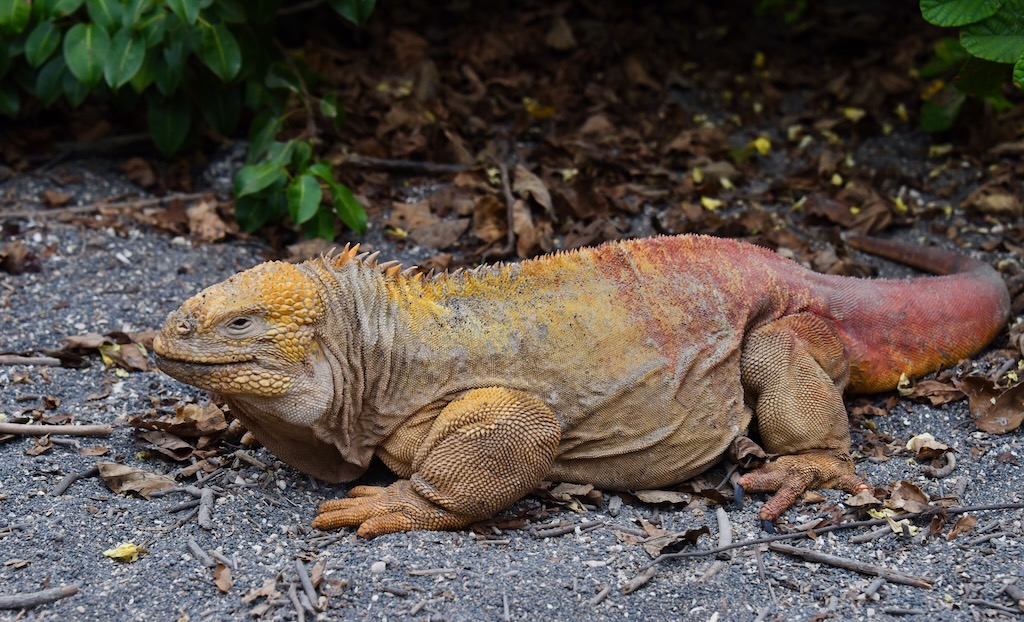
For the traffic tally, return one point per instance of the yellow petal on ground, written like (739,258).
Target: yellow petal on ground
(759,60)
(884,513)
(698,175)
(854,114)
(761,144)
(125,552)
(837,179)
(710,203)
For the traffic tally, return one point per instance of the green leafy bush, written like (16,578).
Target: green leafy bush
(991,41)
(190,64)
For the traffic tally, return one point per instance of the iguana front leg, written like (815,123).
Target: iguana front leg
(484,451)
(796,369)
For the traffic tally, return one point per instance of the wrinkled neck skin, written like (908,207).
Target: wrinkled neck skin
(355,370)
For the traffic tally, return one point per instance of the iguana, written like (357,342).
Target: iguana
(631,365)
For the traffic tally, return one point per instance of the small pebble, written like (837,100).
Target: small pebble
(378,567)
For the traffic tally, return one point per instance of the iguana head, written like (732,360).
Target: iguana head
(252,335)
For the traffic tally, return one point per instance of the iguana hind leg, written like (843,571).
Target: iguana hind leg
(795,370)
(484,451)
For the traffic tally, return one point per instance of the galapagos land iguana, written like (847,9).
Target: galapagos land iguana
(631,365)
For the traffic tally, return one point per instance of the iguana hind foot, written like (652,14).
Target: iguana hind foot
(790,476)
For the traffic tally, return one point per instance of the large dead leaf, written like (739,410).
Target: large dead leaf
(925,447)
(121,478)
(189,420)
(528,185)
(995,410)
(222,577)
(662,541)
(167,444)
(662,496)
(489,219)
(908,497)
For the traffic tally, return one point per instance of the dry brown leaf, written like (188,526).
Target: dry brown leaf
(205,223)
(995,410)
(489,219)
(16,258)
(167,444)
(964,524)
(268,590)
(121,478)
(908,497)
(41,446)
(992,198)
(222,577)
(95,450)
(925,447)
(139,171)
(933,391)
(54,198)
(664,541)
(528,185)
(746,453)
(189,420)
(559,37)
(864,498)
(441,234)
(662,496)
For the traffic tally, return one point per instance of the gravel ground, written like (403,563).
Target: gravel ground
(129,278)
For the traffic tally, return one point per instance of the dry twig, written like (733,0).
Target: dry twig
(100,205)
(71,478)
(67,430)
(31,599)
(307,584)
(18,359)
(890,575)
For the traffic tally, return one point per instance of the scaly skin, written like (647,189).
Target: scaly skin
(629,365)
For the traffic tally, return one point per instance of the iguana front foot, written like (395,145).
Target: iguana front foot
(484,451)
(378,510)
(792,475)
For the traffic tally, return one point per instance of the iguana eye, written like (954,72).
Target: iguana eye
(240,323)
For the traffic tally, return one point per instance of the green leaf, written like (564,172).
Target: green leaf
(329,106)
(169,123)
(355,11)
(982,78)
(999,38)
(230,11)
(219,51)
(127,51)
(281,153)
(304,196)
(75,91)
(41,43)
(5,61)
(106,13)
(1018,73)
(958,12)
(348,207)
(175,56)
(63,8)
(10,103)
(939,113)
(50,81)
(155,27)
(321,225)
(252,178)
(133,12)
(221,107)
(186,10)
(301,156)
(86,49)
(323,171)
(280,76)
(948,54)
(14,17)
(144,77)
(262,131)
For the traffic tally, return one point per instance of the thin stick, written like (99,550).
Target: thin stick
(294,597)
(66,430)
(404,166)
(17,359)
(600,596)
(724,539)
(307,584)
(206,509)
(200,554)
(71,478)
(92,207)
(31,599)
(890,575)
(852,525)
(638,581)
(561,531)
